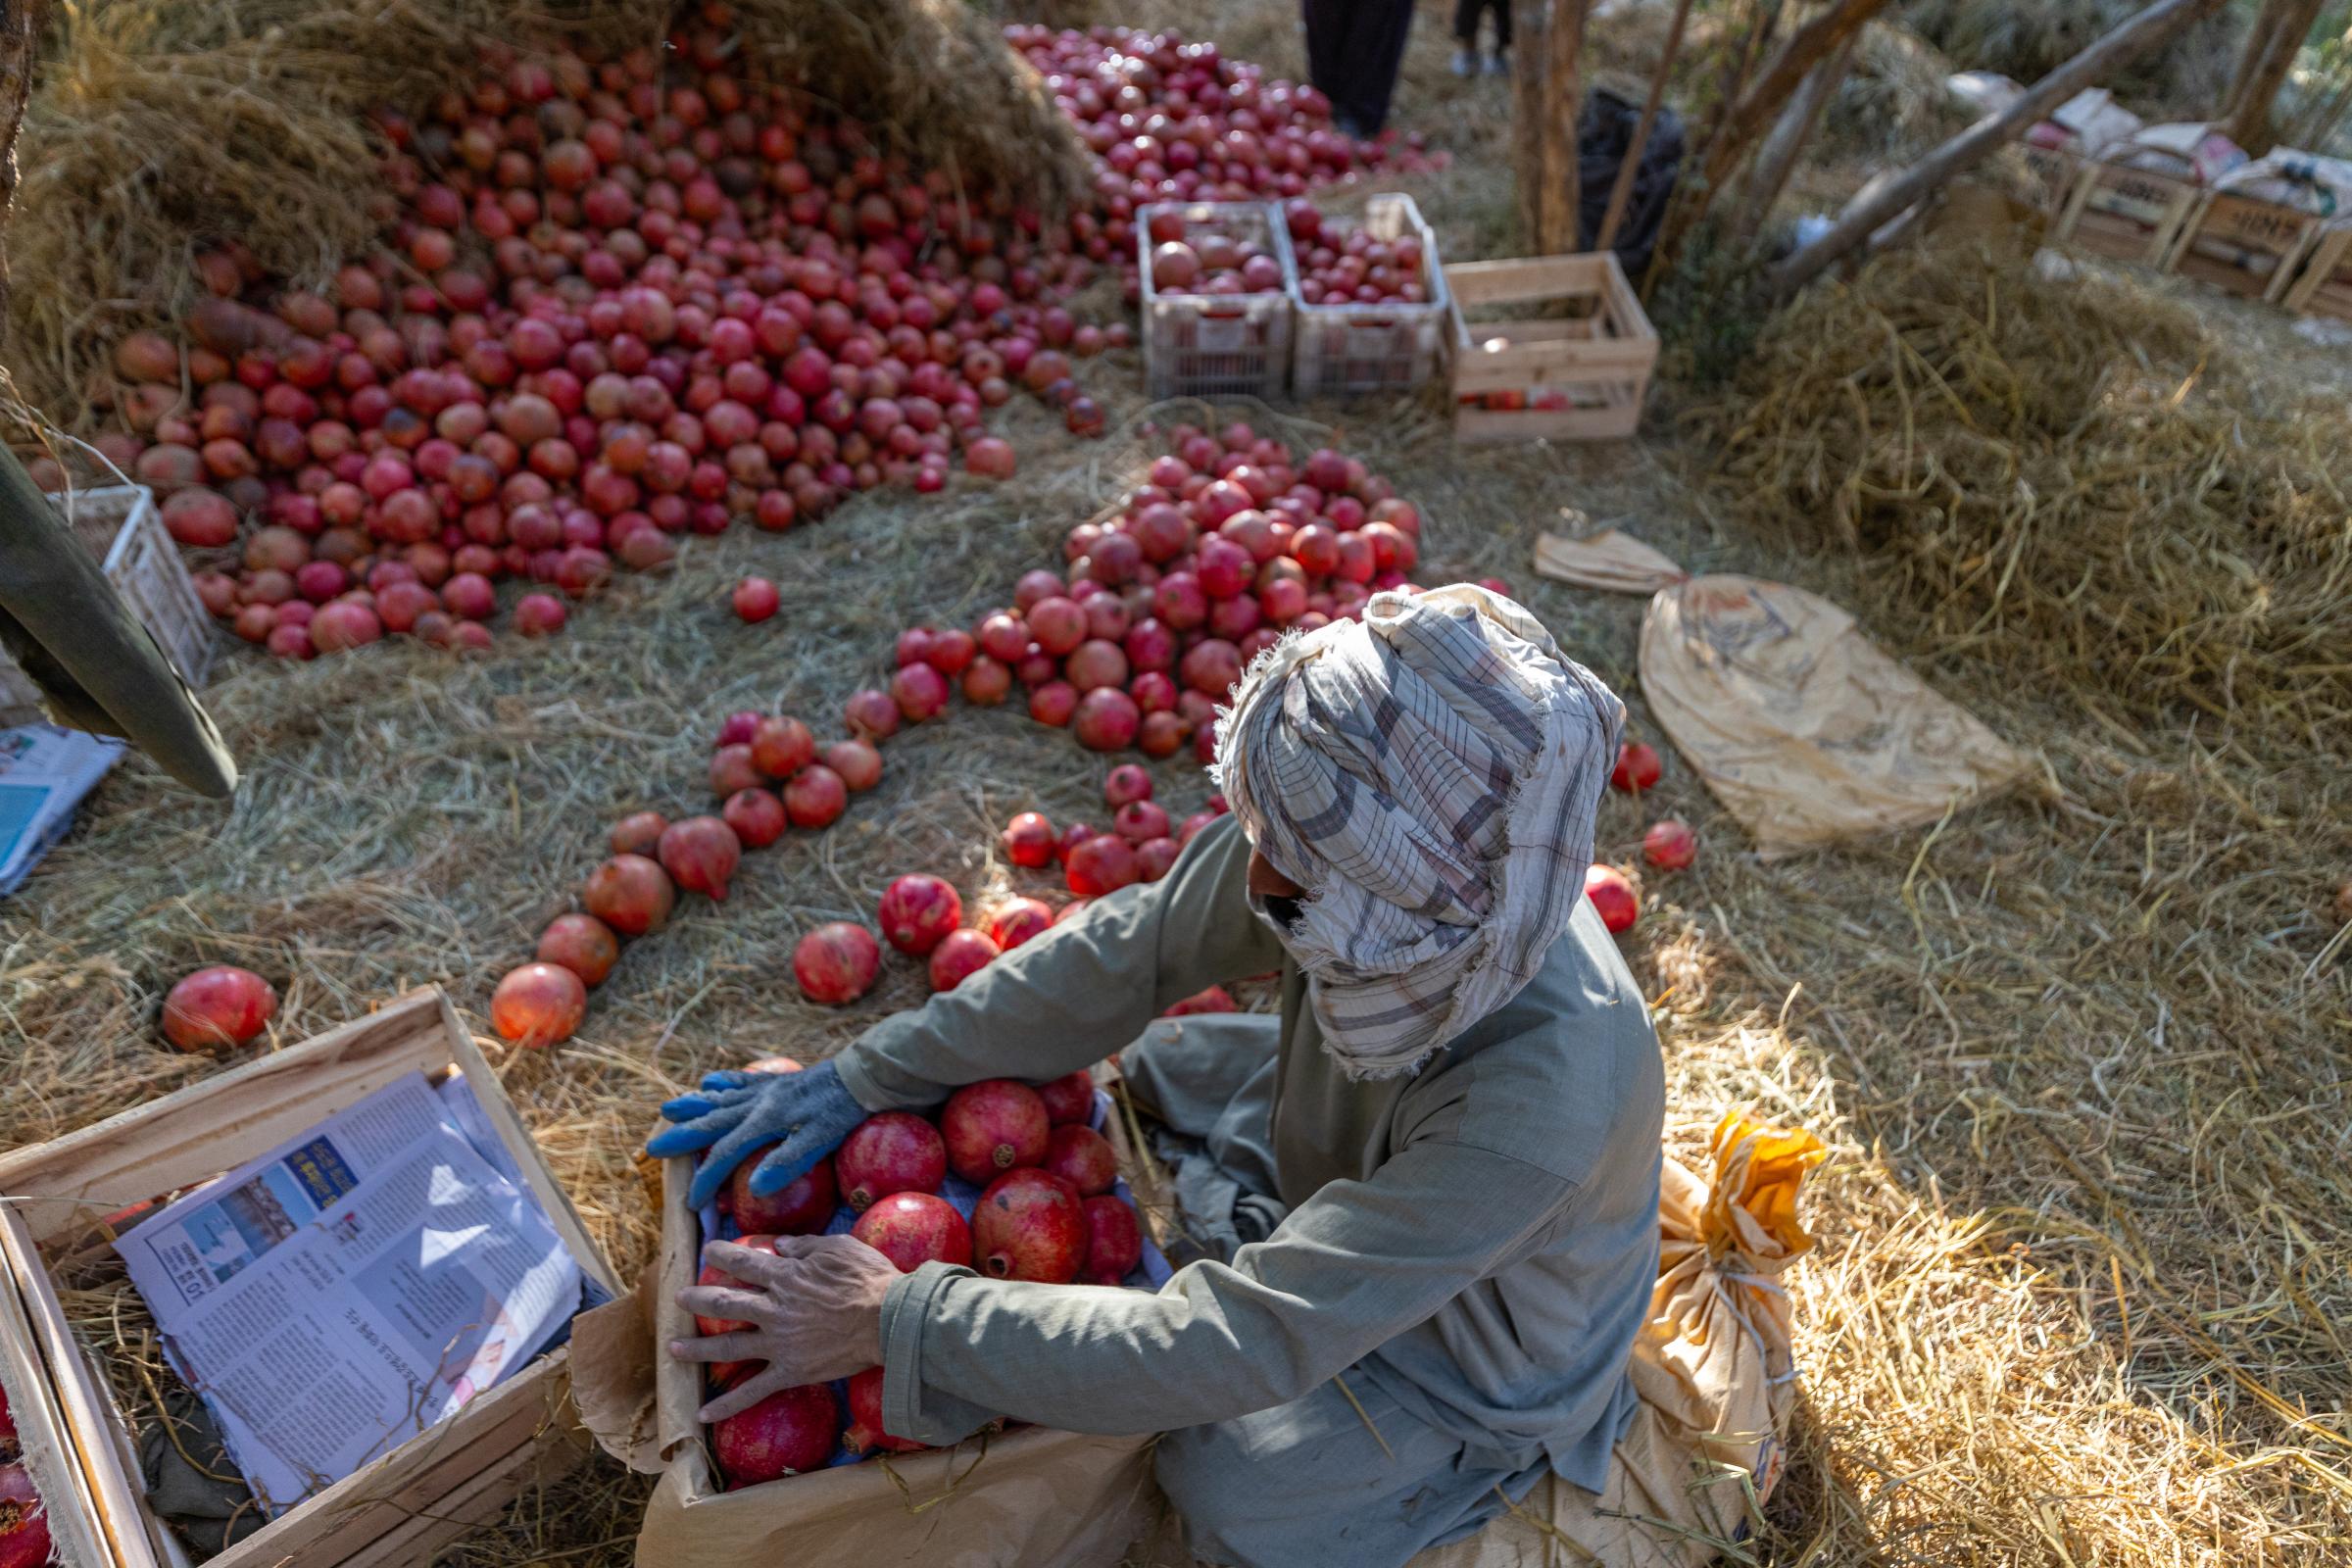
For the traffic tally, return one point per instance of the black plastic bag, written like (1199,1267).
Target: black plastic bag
(1603,133)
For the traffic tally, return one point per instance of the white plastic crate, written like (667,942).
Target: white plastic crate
(1345,350)
(1218,345)
(126,534)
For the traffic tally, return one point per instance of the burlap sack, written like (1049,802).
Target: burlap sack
(1715,1370)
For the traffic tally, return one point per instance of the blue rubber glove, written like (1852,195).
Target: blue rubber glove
(805,1114)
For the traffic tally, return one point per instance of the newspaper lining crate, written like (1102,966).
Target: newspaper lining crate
(1345,350)
(2244,246)
(1219,345)
(2324,288)
(126,537)
(393,1513)
(2132,215)
(1580,377)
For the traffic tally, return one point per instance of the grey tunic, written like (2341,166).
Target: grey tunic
(1478,1240)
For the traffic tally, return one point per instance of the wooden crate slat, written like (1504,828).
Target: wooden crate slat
(2323,288)
(1601,361)
(2239,226)
(1507,282)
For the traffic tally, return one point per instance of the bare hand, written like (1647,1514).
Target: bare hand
(815,1311)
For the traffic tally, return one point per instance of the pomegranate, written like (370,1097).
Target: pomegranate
(630,893)
(1127,782)
(757,816)
(1029,1225)
(890,1151)
(1106,719)
(1637,767)
(816,797)
(1102,863)
(784,1434)
(912,1229)
(917,913)
(1069,1099)
(872,714)
(701,853)
(1612,894)
(1029,840)
(639,833)
(803,1207)
(856,764)
(1155,857)
(217,1007)
(781,747)
(538,1004)
(1082,1156)
(23,1522)
(732,769)
(836,962)
(960,954)
(866,1434)
(582,943)
(1114,1240)
(1141,821)
(993,1126)
(1015,921)
(756,598)
(1670,845)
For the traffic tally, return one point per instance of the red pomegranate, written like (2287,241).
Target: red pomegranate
(1069,1099)
(1612,894)
(713,1275)
(538,1004)
(784,1434)
(856,764)
(1127,782)
(917,911)
(1082,1158)
(866,1434)
(959,956)
(1638,768)
(23,1522)
(217,1007)
(757,816)
(1115,1241)
(781,747)
(701,853)
(639,833)
(1670,845)
(1103,863)
(816,796)
(1016,921)
(890,1151)
(630,893)
(1029,1226)
(1029,840)
(912,1229)
(993,1126)
(836,962)
(802,1209)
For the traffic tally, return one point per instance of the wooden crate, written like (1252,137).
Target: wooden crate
(2132,214)
(125,536)
(2244,245)
(395,1513)
(2324,285)
(1582,372)
(2052,172)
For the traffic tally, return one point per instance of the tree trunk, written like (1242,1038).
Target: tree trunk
(1761,103)
(1890,193)
(1551,37)
(1769,175)
(2271,49)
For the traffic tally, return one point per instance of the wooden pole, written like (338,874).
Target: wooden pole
(2271,50)
(1549,97)
(1777,160)
(1888,194)
(1761,103)
(1622,191)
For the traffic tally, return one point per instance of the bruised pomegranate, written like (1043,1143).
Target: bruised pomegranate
(630,893)
(1016,921)
(582,943)
(866,1434)
(992,1126)
(912,1229)
(1069,1098)
(1081,1156)
(1029,1226)
(918,912)
(701,853)
(891,1151)
(1670,845)
(836,962)
(217,1007)
(1115,1241)
(802,1209)
(784,1434)
(538,1004)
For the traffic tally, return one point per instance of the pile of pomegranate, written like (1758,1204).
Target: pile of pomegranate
(1140,846)
(1008,1178)
(1207,256)
(23,1522)
(1344,264)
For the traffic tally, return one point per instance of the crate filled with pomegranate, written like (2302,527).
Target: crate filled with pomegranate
(1551,348)
(1372,304)
(1216,295)
(1016,1181)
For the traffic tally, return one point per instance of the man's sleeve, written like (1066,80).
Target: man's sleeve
(1069,998)
(1350,1269)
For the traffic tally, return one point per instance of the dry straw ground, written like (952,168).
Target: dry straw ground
(2083,1052)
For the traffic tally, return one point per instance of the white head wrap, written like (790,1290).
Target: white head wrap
(1430,777)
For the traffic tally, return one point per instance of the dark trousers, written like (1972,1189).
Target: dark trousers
(1353,48)
(1465,21)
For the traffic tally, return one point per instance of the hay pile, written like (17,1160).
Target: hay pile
(158,128)
(2183,80)
(1893,104)
(2070,477)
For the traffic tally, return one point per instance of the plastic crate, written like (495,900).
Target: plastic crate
(126,534)
(1344,350)
(1218,345)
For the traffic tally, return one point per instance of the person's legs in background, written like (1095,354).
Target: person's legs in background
(1498,63)
(1465,34)
(1353,48)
